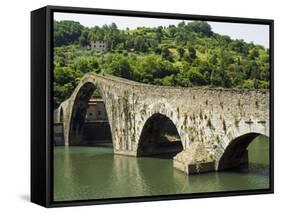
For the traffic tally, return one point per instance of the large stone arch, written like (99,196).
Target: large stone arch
(233,147)
(151,136)
(77,107)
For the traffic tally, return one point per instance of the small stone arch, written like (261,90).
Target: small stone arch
(233,151)
(77,108)
(152,141)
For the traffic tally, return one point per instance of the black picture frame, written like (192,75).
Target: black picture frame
(41,104)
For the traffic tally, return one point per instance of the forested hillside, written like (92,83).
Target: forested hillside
(189,54)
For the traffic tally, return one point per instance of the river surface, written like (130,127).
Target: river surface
(82,173)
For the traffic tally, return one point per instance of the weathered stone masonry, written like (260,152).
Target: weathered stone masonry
(215,125)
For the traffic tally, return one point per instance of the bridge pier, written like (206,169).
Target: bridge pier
(194,168)
(194,160)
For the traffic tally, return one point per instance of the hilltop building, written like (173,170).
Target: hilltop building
(99,46)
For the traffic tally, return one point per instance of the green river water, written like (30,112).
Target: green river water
(82,173)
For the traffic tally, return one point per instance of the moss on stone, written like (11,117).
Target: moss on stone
(239,102)
(193,117)
(209,123)
(236,121)
(205,117)
(221,104)
(257,103)
(200,114)
(185,119)
(223,125)
(178,110)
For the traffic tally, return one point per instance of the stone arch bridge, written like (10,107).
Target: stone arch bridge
(215,126)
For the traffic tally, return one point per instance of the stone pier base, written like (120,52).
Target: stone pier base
(195,168)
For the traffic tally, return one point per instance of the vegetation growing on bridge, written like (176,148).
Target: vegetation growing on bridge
(189,54)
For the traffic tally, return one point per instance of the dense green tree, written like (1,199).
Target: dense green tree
(159,33)
(195,77)
(140,44)
(66,32)
(187,55)
(200,27)
(192,52)
(181,24)
(82,65)
(153,67)
(239,46)
(120,67)
(252,70)
(172,31)
(94,64)
(254,54)
(213,59)
(217,78)
(181,52)
(191,55)
(84,38)
(167,54)
(65,79)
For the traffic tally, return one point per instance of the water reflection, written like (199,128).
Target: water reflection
(94,172)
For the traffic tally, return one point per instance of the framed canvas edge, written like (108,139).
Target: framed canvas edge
(50,9)
(38,152)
